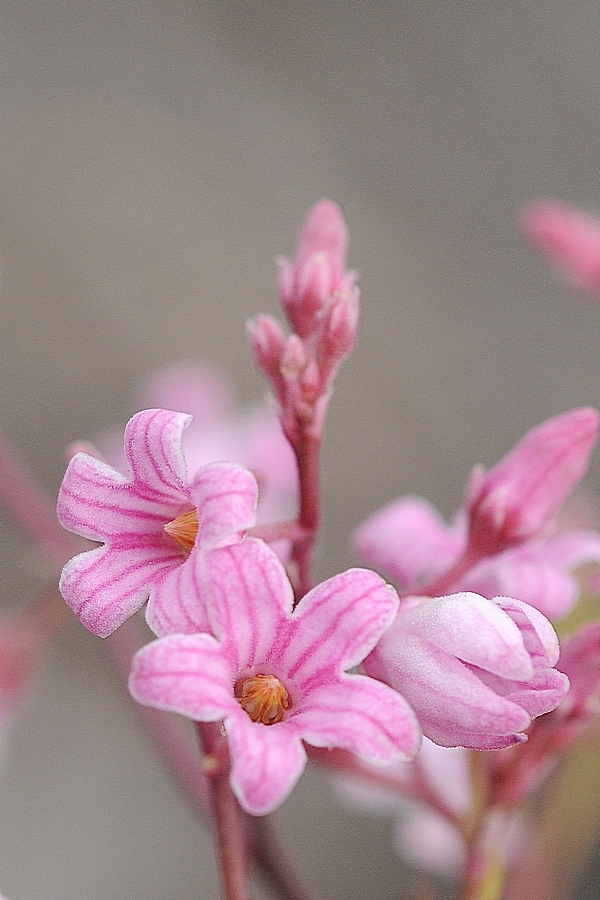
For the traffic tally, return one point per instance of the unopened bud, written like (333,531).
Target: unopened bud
(518,497)
(342,326)
(267,339)
(307,285)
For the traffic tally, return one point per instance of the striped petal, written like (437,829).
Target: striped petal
(176,604)
(225,496)
(249,600)
(360,715)
(267,761)
(104,587)
(189,674)
(339,622)
(154,451)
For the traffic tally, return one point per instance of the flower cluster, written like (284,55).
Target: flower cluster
(342,664)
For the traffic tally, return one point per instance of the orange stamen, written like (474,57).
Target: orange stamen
(264,698)
(184,529)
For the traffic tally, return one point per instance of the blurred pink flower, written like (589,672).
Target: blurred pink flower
(424,836)
(580,661)
(475,671)
(516,499)
(277,676)
(150,524)
(501,542)
(569,237)
(250,436)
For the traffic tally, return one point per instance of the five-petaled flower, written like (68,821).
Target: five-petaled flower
(150,524)
(278,676)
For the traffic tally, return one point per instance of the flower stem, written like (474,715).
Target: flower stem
(230,835)
(270,856)
(307,449)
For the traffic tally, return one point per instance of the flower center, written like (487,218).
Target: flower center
(264,698)
(184,529)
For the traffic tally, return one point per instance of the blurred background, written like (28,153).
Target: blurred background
(155,158)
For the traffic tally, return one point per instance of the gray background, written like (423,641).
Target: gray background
(155,158)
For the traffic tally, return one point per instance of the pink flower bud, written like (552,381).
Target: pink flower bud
(293,359)
(324,230)
(307,285)
(341,327)
(475,671)
(570,238)
(268,339)
(516,499)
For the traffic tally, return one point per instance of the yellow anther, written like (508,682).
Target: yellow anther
(184,529)
(264,698)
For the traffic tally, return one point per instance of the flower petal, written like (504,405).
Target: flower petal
(225,496)
(189,674)
(450,624)
(338,623)
(361,715)
(104,587)
(176,604)
(410,542)
(267,761)
(539,637)
(98,503)
(153,447)
(249,599)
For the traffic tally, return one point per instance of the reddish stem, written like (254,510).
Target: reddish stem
(270,855)
(307,449)
(230,833)
(443,583)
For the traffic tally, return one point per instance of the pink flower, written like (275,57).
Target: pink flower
(570,238)
(501,542)
(516,499)
(150,524)
(475,671)
(277,676)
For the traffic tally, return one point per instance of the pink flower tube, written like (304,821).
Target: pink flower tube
(475,671)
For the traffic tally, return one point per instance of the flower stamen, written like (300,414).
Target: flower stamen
(184,529)
(264,698)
